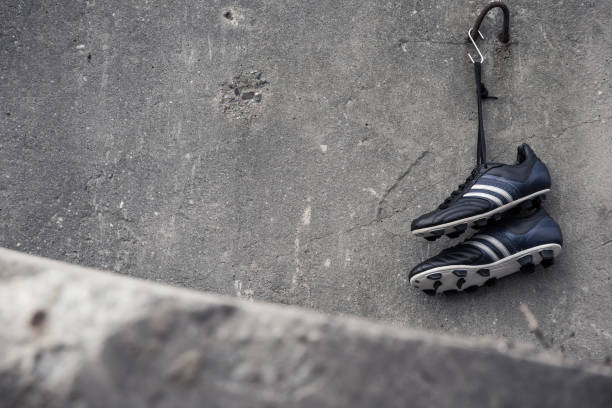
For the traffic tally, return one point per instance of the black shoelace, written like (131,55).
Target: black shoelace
(481,93)
(462,186)
(481,147)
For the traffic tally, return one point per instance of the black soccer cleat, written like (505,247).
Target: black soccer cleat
(490,190)
(496,251)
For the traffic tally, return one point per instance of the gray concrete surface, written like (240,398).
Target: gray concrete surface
(125,146)
(79,338)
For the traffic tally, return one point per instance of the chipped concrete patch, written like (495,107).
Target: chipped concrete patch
(306,217)
(242,97)
(233,16)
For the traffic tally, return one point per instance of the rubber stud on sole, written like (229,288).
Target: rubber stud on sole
(454,234)
(460,283)
(491,282)
(450,292)
(483,272)
(547,263)
(547,254)
(529,268)
(471,289)
(525,260)
(531,204)
(434,276)
(526,263)
(548,258)
(460,273)
(430,292)
(461,227)
(437,233)
(481,223)
(437,284)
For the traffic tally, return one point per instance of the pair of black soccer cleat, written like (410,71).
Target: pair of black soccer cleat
(507,241)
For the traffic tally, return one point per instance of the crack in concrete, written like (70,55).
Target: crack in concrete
(378,218)
(344,231)
(397,181)
(356,227)
(579,124)
(404,41)
(603,244)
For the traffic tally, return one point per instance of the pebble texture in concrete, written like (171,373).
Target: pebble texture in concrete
(279,150)
(79,338)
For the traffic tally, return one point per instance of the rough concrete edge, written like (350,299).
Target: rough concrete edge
(356,325)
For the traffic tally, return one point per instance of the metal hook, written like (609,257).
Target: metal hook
(475,46)
(504,36)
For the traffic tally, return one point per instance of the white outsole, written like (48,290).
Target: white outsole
(448,227)
(503,267)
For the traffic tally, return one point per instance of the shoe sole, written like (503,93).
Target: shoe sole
(455,228)
(457,278)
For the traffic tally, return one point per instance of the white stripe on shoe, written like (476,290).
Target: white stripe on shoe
(495,242)
(485,195)
(484,248)
(497,190)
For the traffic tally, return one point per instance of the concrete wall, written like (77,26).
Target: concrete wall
(125,147)
(79,338)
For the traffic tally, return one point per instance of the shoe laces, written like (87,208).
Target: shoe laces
(462,186)
(481,148)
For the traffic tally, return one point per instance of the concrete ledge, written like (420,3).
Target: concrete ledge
(76,337)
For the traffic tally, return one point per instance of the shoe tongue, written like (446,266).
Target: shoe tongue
(521,152)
